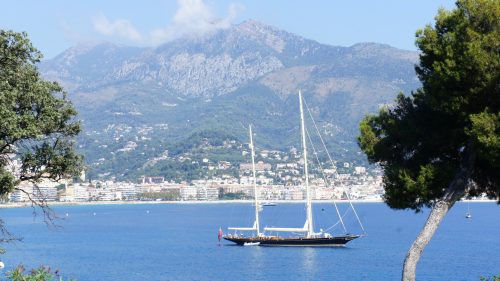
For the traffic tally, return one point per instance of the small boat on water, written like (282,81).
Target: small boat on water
(268,204)
(468,215)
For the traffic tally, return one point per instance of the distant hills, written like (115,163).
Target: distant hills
(135,103)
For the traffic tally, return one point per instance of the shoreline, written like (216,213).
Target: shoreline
(212,202)
(90,203)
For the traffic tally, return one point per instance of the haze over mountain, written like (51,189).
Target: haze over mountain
(136,102)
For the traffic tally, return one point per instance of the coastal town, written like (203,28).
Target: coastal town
(278,176)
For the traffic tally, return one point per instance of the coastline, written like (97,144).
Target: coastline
(90,203)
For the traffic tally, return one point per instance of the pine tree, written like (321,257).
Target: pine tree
(443,142)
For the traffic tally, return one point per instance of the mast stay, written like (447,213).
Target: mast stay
(256,224)
(333,165)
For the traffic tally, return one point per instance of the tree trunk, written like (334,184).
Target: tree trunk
(437,214)
(453,193)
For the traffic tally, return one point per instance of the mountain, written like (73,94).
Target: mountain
(136,103)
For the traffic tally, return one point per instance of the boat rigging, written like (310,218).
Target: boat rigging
(304,236)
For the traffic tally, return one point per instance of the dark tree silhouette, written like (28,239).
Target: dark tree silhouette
(443,142)
(37,122)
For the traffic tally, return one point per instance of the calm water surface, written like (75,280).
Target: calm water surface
(179,242)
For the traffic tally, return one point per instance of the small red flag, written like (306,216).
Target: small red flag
(219,236)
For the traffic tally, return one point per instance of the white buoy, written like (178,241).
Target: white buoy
(147,212)
(67,214)
(94,213)
(2,265)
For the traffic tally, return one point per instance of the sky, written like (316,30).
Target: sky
(56,25)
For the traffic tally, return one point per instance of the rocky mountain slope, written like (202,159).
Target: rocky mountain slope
(137,102)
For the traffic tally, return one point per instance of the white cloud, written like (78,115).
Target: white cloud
(120,28)
(194,18)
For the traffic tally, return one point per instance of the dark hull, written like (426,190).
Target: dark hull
(285,241)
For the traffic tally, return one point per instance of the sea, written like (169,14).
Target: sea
(179,242)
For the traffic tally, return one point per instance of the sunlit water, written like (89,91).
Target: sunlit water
(179,242)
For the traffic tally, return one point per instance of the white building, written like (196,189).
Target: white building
(293,194)
(188,193)
(27,192)
(81,193)
(207,193)
(18,196)
(359,170)
(128,191)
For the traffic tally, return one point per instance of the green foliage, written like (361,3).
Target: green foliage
(485,131)
(419,141)
(37,123)
(493,278)
(170,195)
(233,196)
(203,144)
(205,137)
(39,274)
(225,117)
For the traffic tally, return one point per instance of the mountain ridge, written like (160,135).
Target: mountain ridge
(248,73)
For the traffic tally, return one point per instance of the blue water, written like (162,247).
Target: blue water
(179,242)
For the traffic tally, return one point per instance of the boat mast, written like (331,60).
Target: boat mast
(309,221)
(255,191)
(256,223)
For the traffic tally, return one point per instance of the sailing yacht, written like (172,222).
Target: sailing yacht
(305,236)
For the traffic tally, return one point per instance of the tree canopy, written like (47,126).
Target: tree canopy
(421,141)
(37,122)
